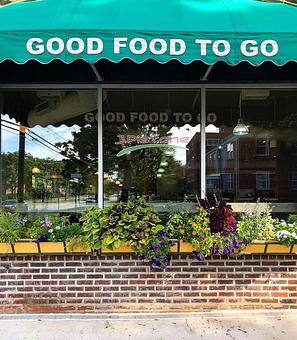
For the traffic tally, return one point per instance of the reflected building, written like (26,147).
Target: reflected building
(249,168)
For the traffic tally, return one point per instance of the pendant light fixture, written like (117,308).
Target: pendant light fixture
(241,129)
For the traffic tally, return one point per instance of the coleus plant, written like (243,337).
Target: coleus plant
(221,215)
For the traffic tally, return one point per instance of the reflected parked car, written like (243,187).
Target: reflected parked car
(91,200)
(12,205)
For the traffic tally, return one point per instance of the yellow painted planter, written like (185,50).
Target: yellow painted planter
(5,248)
(77,249)
(277,248)
(294,249)
(254,248)
(51,247)
(185,247)
(26,247)
(174,249)
(121,249)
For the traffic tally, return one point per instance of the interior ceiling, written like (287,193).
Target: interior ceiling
(279,106)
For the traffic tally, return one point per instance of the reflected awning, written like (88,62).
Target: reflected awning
(186,30)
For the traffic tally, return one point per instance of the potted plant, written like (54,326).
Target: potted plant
(286,235)
(128,227)
(256,228)
(199,235)
(11,229)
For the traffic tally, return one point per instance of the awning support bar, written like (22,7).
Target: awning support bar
(98,77)
(205,77)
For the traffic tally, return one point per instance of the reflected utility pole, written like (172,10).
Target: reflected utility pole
(21,165)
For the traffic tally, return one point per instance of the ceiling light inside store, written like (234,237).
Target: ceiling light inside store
(241,129)
(161,170)
(164,164)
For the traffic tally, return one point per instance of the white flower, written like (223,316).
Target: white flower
(58,227)
(50,230)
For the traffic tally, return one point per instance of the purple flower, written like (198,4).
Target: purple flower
(47,223)
(42,238)
(245,242)
(225,251)
(155,246)
(234,243)
(227,241)
(141,257)
(201,258)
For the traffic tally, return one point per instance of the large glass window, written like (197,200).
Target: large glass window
(49,150)
(150,146)
(261,164)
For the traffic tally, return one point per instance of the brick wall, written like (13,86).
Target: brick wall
(112,283)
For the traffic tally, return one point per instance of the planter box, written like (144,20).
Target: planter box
(122,249)
(174,249)
(51,247)
(294,249)
(5,248)
(276,248)
(254,248)
(185,247)
(26,247)
(77,249)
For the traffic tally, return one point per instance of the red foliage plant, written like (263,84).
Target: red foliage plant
(220,215)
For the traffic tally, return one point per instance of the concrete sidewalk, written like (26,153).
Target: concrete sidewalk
(262,325)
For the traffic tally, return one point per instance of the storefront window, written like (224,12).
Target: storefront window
(259,165)
(148,146)
(49,150)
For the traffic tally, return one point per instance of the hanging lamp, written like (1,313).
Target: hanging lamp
(241,129)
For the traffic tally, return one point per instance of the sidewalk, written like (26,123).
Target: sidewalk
(241,325)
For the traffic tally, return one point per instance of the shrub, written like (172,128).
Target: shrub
(256,224)
(12,227)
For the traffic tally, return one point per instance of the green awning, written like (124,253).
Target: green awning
(162,30)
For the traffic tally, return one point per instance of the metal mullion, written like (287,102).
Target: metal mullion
(203,143)
(100,149)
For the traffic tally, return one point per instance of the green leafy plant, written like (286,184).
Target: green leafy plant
(292,218)
(199,234)
(132,223)
(78,241)
(12,227)
(256,224)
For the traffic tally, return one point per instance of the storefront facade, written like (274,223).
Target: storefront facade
(99,103)
(193,108)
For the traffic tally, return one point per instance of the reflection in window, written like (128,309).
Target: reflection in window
(261,165)
(262,147)
(49,150)
(293,180)
(263,180)
(147,146)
